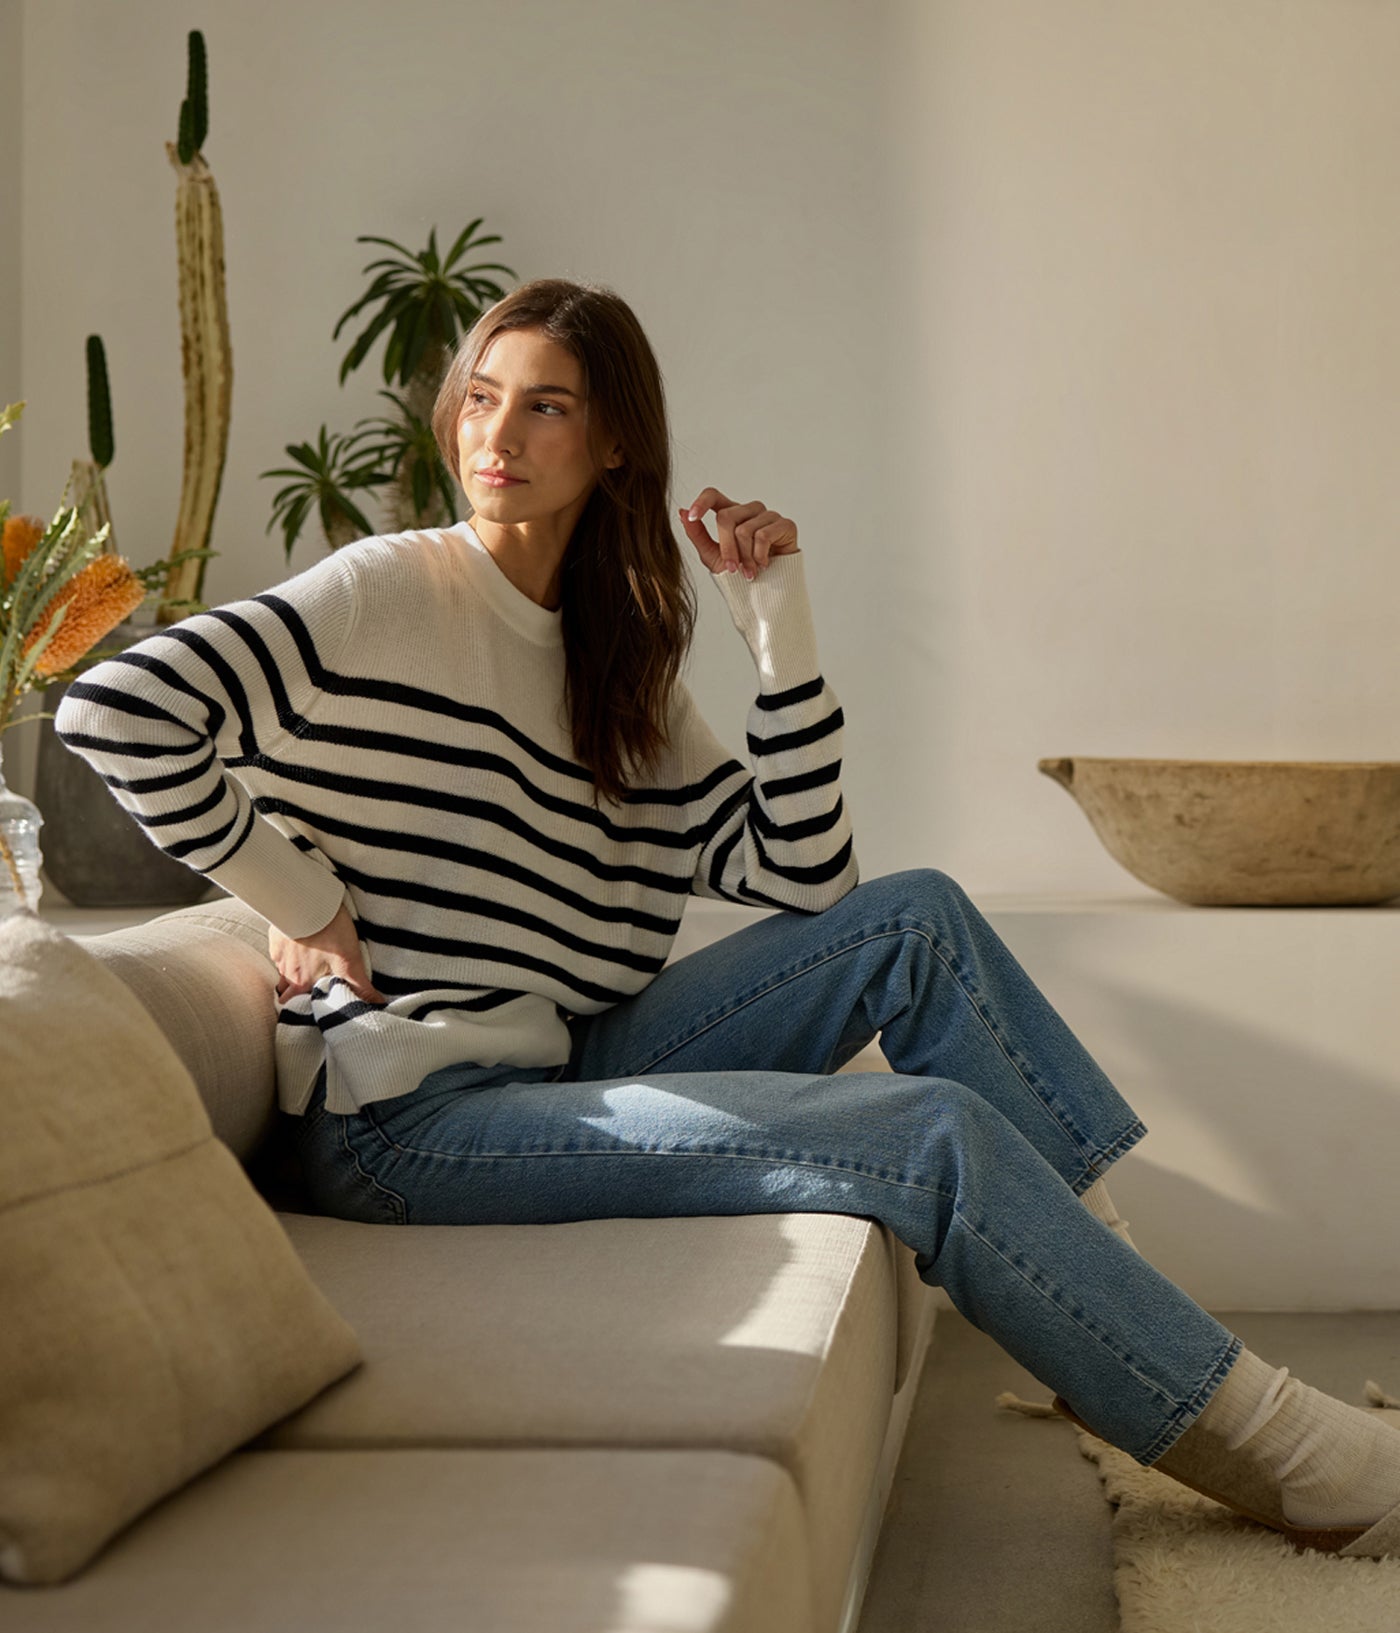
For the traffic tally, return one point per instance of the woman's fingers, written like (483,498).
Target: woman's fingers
(750,535)
(333,952)
(303,985)
(705,546)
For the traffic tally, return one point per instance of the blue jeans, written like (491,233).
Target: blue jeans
(712,1092)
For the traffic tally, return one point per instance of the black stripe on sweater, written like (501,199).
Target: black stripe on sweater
(186,813)
(821,874)
(474,997)
(214,712)
(234,848)
(802,783)
(447,851)
(482,760)
(797,739)
(228,678)
(161,785)
(408,697)
(484,952)
(791,832)
(478,908)
(720,861)
(111,697)
(794,694)
(466,807)
(454,901)
(133,751)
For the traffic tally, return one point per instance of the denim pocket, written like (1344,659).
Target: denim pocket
(337,1181)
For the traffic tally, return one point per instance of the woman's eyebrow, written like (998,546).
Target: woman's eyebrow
(558,391)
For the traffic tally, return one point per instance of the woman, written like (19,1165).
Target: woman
(457,772)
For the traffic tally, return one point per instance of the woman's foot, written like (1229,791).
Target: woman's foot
(1325,1474)
(1099,1203)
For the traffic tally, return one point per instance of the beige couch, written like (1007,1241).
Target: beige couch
(626,1424)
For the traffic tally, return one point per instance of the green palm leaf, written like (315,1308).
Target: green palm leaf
(425,299)
(329,473)
(464,238)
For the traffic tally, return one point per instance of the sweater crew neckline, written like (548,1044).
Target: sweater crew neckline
(527,617)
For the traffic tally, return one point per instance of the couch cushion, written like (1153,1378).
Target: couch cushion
(451,1541)
(204,975)
(771,1335)
(154,1314)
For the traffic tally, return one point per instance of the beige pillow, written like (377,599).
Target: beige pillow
(153,1314)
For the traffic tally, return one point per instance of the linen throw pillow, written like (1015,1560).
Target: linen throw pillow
(153,1314)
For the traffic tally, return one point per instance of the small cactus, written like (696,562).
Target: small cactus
(99,404)
(88,485)
(194,110)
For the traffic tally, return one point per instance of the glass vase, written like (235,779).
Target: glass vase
(19,849)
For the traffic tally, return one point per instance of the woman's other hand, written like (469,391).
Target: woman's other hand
(332,951)
(749,535)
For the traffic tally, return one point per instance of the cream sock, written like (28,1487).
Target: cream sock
(1099,1203)
(1336,1464)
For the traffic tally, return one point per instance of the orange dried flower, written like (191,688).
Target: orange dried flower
(98,598)
(22,533)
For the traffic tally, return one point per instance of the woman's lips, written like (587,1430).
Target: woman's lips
(499,479)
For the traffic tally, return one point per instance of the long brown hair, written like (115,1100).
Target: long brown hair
(628,606)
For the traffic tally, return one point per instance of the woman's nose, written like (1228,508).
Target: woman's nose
(501,432)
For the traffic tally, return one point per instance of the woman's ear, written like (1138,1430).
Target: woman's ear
(614,457)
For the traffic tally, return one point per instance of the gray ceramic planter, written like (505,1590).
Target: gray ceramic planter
(94,853)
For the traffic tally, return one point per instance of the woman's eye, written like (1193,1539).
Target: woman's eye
(553,407)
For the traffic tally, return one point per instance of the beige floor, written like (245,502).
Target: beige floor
(997,1524)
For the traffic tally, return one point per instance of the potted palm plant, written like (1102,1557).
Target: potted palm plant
(424,303)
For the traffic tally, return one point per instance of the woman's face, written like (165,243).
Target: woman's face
(525,417)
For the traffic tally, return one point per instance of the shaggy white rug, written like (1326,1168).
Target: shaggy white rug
(1183,1564)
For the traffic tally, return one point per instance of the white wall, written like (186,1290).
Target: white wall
(11,135)
(1065,328)
(1149,416)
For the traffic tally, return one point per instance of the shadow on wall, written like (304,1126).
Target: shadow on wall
(1266,1180)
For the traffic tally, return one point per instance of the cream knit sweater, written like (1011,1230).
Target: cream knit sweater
(387,730)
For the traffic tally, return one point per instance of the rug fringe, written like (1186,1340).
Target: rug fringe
(1028,1409)
(1378,1397)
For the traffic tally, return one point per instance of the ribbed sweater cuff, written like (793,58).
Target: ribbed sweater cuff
(774,616)
(284,884)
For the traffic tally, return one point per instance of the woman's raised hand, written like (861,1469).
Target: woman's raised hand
(749,535)
(332,951)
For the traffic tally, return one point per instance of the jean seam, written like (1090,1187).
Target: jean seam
(930,936)
(773,984)
(993,1026)
(827,1165)
(396,1202)
(1055,1299)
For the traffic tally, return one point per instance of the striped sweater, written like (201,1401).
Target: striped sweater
(387,730)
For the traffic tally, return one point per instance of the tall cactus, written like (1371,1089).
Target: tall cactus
(204,340)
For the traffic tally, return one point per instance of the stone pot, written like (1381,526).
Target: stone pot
(1246,833)
(94,853)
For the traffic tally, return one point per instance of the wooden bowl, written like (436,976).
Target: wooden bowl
(1246,833)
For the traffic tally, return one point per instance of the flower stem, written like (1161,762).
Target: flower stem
(12,868)
(6,854)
